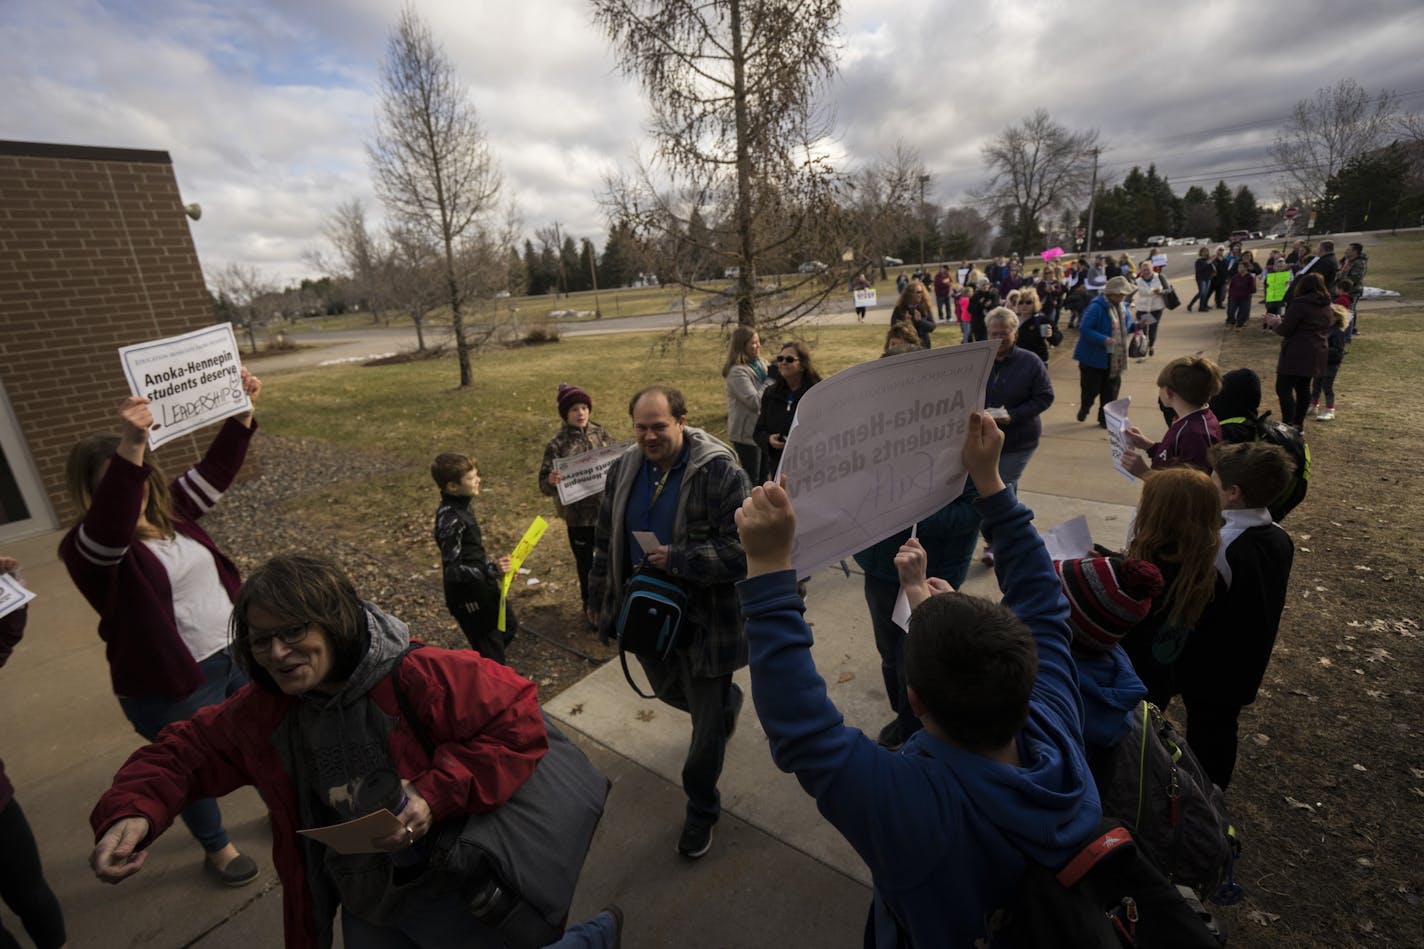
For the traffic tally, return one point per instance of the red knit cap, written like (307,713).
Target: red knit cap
(1107,596)
(569,396)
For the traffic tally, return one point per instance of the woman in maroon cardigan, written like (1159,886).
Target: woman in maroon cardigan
(1305,349)
(162,589)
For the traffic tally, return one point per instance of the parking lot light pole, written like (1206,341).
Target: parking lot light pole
(924,180)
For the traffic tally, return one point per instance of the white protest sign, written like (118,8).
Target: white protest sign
(582,476)
(1070,540)
(1159,260)
(877,447)
(12,594)
(1115,414)
(864,298)
(191,380)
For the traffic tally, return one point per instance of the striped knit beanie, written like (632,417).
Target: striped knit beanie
(1107,596)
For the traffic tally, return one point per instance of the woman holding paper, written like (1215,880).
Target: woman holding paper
(578,435)
(796,374)
(335,728)
(22,881)
(162,588)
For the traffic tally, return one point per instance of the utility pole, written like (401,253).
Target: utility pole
(1092,196)
(924,180)
(593,276)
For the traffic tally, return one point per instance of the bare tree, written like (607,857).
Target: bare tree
(433,166)
(1321,134)
(967,231)
(242,292)
(1038,167)
(884,206)
(733,87)
(360,254)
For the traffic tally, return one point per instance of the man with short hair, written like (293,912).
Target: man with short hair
(684,486)
(942,283)
(1353,268)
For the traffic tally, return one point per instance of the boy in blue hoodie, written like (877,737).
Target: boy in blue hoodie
(997,775)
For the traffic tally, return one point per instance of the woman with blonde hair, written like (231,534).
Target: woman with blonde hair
(914,307)
(746,379)
(1177,529)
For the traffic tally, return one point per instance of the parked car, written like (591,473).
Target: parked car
(891,262)
(1239,235)
(1255,235)
(732,273)
(1158,240)
(811,266)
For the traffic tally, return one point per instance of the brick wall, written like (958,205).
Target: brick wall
(95,254)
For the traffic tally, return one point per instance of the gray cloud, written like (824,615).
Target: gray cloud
(266,106)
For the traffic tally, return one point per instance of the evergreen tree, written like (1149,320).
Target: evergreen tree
(1374,188)
(586,264)
(1223,202)
(1245,209)
(619,265)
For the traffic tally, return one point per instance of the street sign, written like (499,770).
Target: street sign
(1291,212)
(1081,233)
(1098,232)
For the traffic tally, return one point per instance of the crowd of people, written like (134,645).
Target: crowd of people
(1002,712)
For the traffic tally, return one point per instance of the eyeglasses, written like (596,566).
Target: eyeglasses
(788,358)
(261,640)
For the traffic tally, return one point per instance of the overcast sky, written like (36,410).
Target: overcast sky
(265,106)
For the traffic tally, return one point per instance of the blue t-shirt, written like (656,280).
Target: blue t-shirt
(652,504)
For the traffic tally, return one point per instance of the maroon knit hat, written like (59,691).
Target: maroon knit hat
(1107,596)
(569,396)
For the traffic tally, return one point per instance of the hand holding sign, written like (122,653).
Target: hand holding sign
(189,381)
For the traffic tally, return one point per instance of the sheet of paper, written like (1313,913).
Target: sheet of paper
(647,540)
(191,380)
(901,614)
(12,594)
(1070,540)
(355,836)
(1115,414)
(582,476)
(878,446)
(864,298)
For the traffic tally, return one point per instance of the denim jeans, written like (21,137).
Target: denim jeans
(966,333)
(1012,465)
(221,678)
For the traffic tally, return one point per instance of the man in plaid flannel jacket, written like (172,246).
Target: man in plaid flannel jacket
(684,486)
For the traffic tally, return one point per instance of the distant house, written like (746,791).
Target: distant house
(95,253)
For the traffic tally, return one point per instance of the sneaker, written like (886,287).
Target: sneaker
(696,839)
(1151,350)
(240,871)
(1314,407)
(988,558)
(1325,416)
(733,710)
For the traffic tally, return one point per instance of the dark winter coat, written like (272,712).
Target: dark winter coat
(1306,328)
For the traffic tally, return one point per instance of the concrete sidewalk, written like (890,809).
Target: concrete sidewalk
(777,875)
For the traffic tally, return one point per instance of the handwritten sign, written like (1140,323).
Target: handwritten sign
(516,560)
(1070,540)
(864,298)
(12,594)
(1115,414)
(877,447)
(191,380)
(582,476)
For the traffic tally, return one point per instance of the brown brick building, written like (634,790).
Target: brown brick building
(95,254)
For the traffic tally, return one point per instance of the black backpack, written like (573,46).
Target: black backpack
(1109,896)
(1154,785)
(1266,429)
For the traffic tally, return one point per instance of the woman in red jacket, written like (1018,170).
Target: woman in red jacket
(162,589)
(320,721)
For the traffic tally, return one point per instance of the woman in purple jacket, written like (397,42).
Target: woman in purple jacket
(162,589)
(1305,350)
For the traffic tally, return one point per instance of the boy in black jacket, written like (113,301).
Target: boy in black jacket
(471,580)
(1227,654)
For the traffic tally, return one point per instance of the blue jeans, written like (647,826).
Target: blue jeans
(441,922)
(1012,465)
(966,331)
(221,678)
(945,308)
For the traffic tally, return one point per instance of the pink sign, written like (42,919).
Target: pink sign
(1051,253)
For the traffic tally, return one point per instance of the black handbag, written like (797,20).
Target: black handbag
(1169,294)
(652,619)
(516,866)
